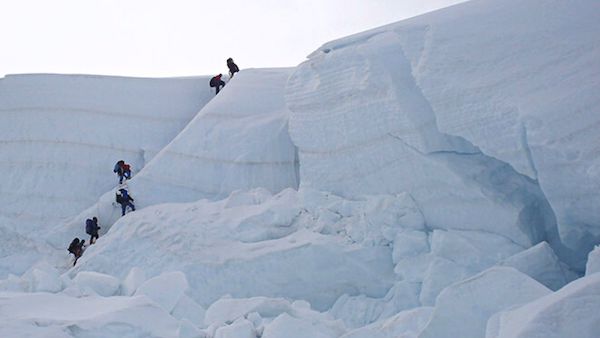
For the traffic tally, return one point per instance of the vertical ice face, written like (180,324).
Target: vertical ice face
(520,81)
(60,136)
(487,82)
(363,126)
(239,140)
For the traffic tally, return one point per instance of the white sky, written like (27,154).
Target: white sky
(158,38)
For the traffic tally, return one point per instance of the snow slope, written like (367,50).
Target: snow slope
(61,135)
(235,142)
(436,177)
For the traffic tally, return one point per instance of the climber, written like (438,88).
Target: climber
(91,228)
(233,68)
(217,83)
(76,248)
(123,170)
(124,200)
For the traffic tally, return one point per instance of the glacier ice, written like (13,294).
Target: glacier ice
(540,263)
(570,312)
(593,263)
(102,284)
(166,290)
(463,309)
(360,194)
(235,142)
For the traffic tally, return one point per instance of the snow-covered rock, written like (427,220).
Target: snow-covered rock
(570,312)
(463,309)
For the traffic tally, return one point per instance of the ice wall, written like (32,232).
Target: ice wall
(520,80)
(503,86)
(239,140)
(60,136)
(363,126)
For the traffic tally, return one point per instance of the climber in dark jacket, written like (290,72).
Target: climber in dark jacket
(233,68)
(217,83)
(124,200)
(91,228)
(76,248)
(123,170)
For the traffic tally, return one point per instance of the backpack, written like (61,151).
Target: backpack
(89,226)
(117,167)
(215,81)
(73,247)
(122,196)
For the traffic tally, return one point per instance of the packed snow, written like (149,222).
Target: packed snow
(436,177)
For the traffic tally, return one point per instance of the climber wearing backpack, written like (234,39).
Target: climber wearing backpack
(233,68)
(91,228)
(217,83)
(123,170)
(76,248)
(124,200)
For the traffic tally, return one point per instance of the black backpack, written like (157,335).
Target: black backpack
(73,246)
(89,226)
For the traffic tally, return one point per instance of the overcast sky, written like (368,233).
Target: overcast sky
(158,38)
